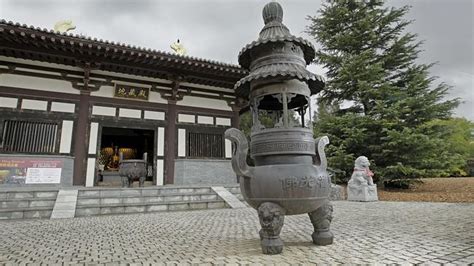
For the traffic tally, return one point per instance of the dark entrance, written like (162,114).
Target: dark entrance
(132,143)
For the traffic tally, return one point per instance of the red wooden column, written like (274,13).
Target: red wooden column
(170,140)
(81,140)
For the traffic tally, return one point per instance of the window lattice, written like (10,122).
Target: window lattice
(203,145)
(30,137)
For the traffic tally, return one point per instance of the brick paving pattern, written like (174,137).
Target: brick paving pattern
(377,232)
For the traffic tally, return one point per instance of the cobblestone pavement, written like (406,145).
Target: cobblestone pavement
(379,232)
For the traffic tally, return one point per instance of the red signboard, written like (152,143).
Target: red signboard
(33,171)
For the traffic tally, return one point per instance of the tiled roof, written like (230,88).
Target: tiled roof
(67,48)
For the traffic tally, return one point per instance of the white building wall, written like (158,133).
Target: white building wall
(34,105)
(160,172)
(155,97)
(152,115)
(63,107)
(93,138)
(204,103)
(220,121)
(66,136)
(34,83)
(185,118)
(160,149)
(103,110)
(130,113)
(104,91)
(228,149)
(8,102)
(181,142)
(207,120)
(90,172)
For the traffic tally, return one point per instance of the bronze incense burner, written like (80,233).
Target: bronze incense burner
(289,176)
(129,170)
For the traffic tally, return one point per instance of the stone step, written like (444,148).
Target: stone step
(148,199)
(234,189)
(143,195)
(148,207)
(27,194)
(26,202)
(229,198)
(25,213)
(127,192)
(65,206)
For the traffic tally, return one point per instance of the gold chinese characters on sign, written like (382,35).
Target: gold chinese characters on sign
(131,92)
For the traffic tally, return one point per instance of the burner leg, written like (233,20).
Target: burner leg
(271,217)
(321,220)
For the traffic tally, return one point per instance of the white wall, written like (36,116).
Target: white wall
(8,102)
(63,107)
(181,142)
(160,142)
(228,149)
(90,173)
(34,83)
(204,103)
(185,118)
(104,91)
(66,136)
(160,172)
(93,136)
(208,120)
(103,110)
(34,105)
(130,113)
(221,121)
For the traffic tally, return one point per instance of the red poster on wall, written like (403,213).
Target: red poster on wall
(30,171)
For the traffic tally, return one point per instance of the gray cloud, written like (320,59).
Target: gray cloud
(218,29)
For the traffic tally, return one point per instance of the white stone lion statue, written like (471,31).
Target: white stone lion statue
(361,174)
(361,186)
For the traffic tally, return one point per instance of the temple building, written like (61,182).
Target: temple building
(69,105)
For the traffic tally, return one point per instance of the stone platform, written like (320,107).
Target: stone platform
(365,233)
(30,202)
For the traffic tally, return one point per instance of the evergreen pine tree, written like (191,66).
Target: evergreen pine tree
(371,63)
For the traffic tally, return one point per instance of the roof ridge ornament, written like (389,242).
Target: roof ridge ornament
(178,48)
(64,26)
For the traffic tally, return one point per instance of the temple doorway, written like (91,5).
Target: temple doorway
(132,143)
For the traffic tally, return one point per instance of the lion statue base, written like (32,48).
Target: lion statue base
(361,186)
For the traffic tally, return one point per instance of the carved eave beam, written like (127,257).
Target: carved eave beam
(84,85)
(176,93)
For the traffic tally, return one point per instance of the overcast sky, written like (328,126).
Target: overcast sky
(218,29)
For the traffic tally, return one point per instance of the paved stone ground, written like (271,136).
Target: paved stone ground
(379,232)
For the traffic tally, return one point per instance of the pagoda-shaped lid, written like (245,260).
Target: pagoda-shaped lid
(282,66)
(275,31)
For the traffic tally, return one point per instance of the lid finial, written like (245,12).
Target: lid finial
(272,12)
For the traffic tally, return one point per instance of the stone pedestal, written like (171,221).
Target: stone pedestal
(337,192)
(362,193)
